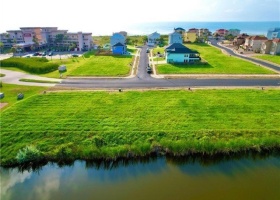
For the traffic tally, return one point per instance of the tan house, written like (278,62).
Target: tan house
(240,39)
(254,43)
(266,46)
(191,35)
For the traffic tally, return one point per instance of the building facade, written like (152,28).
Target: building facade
(273,33)
(153,39)
(27,37)
(178,53)
(175,37)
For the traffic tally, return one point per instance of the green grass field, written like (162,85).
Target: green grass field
(91,66)
(218,63)
(272,58)
(104,66)
(87,125)
(11,91)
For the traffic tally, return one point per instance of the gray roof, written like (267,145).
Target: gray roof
(118,45)
(179,28)
(178,48)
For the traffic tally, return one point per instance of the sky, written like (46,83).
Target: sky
(110,15)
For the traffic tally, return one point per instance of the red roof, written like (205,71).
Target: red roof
(277,40)
(259,38)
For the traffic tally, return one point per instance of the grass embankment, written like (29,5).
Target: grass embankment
(37,81)
(32,65)
(2,75)
(217,63)
(90,125)
(11,91)
(271,58)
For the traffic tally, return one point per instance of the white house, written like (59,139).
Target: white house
(153,39)
(175,37)
(254,43)
(117,38)
(178,53)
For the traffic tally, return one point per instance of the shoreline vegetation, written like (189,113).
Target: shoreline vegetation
(114,125)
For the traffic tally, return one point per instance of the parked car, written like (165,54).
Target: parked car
(75,55)
(44,54)
(148,51)
(36,54)
(149,69)
(50,53)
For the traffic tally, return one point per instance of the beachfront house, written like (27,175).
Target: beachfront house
(175,37)
(117,42)
(234,32)
(254,43)
(191,35)
(153,39)
(178,53)
(221,32)
(273,33)
(180,30)
(240,39)
(116,38)
(266,46)
(119,49)
(275,47)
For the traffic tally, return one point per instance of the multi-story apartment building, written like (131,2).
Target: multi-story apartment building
(46,36)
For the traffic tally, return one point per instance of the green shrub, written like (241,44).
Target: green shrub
(33,65)
(28,154)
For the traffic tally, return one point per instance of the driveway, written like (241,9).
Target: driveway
(13,77)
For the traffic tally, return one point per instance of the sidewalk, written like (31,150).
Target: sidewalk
(13,77)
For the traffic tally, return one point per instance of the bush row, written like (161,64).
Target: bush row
(33,65)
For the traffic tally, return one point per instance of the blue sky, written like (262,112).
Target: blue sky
(87,15)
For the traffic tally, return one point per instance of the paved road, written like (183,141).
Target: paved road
(144,80)
(266,64)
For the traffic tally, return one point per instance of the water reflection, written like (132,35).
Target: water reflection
(155,177)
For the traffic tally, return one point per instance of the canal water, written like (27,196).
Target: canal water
(154,178)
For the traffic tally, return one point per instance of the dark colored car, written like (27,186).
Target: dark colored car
(36,54)
(149,69)
(75,55)
(148,51)
(44,54)
(51,53)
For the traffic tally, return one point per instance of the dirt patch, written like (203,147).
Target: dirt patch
(2,105)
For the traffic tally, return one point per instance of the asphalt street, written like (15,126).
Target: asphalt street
(144,80)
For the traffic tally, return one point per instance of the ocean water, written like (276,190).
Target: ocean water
(251,28)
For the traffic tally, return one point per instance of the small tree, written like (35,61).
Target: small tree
(13,50)
(1,46)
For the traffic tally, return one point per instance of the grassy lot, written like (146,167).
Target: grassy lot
(158,49)
(131,49)
(87,125)
(90,65)
(218,63)
(11,91)
(104,66)
(271,58)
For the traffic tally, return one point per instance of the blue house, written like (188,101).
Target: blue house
(273,33)
(178,53)
(119,49)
